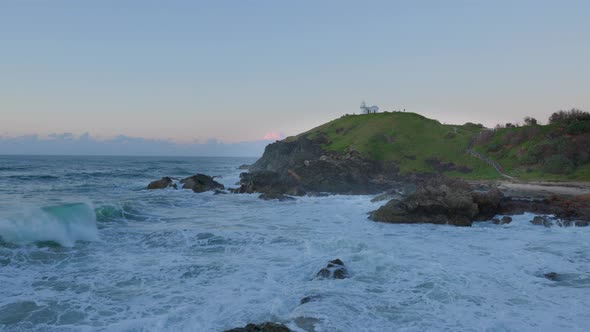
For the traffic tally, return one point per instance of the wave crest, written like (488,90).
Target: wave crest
(63,224)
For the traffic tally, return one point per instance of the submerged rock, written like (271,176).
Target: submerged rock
(504,220)
(162,183)
(200,183)
(244,166)
(274,195)
(553,276)
(264,327)
(334,270)
(542,221)
(220,192)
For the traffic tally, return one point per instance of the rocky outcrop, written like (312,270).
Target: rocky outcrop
(299,165)
(436,201)
(503,221)
(264,327)
(553,221)
(200,183)
(165,182)
(335,269)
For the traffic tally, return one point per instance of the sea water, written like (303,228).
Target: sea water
(85,247)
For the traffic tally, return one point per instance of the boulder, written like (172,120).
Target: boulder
(488,203)
(553,276)
(435,201)
(274,195)
(504,220)
(264,327)
(539,220)
(268,181)
(334,270)
(165,182)
(219,192)
(200,183)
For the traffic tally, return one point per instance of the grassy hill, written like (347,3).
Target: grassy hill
(421,145)
(557,151)
(415,143)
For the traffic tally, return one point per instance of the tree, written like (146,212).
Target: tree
(530,121)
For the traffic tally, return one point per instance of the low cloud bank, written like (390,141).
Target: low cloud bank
(69,144)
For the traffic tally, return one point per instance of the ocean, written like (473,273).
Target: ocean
(85,247)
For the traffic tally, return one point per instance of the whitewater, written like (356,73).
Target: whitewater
(84,247)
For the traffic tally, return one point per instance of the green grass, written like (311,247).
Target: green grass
(408,139)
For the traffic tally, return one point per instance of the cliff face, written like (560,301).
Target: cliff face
(300,165)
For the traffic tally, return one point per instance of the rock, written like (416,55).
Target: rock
(264,327)
(334,270)
(219,192)
(488,203)
(200,183)
(274,195)
(539,220)
(244,166)
(496,221)
(553,276)
(581,223)
(164,182)
(310,298)
(505,220)
(436,201)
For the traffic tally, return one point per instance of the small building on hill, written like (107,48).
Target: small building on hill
(368,109)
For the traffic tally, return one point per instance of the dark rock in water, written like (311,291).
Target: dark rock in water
(274,195)
(436,201)
(264,327)
(503,221)
(267,181)
(539,220)
(487,203)
(553,276)
(220,192)
(334,270)
(164,182)
(200,183)
(581,223)
(244,166)
(310,298)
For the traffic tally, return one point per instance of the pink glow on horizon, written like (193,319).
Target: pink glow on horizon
(272,136)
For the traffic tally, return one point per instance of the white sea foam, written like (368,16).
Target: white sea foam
(174,260)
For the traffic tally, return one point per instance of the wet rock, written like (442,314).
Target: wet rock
(435,201)
(334,270)
(162,183)
(488,203)
(553,276)
(264,327)
(581,223)
(274,195)
(496,221)
(539,220)
(200,183)
(244,166)
(219,192)
(505,220)
(310,298)
(266,182)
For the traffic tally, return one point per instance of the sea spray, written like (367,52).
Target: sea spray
(64,224)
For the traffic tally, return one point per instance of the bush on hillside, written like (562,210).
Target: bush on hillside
(569,116)
(530,121)
(578,127)
(558,164)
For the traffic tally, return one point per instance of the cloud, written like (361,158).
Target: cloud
(272,136)
(85,144)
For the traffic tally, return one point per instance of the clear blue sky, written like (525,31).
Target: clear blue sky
(238,70)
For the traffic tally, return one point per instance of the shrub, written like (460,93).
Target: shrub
(578,127)
(558,164)
(569,116)
(530,121)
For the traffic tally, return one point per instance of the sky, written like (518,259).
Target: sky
(193,73)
